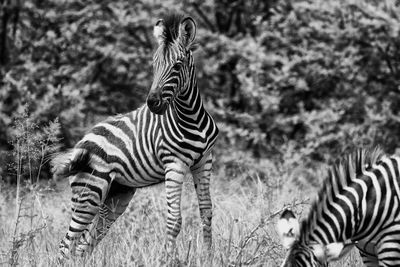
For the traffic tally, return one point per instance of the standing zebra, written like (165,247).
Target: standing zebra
(358,205)
(167,139)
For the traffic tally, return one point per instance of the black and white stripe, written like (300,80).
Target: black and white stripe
(358,205)
(169,138)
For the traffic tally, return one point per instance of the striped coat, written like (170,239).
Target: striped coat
(163,141)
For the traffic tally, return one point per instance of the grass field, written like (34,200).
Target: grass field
(246,207)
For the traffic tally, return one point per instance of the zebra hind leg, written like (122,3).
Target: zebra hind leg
(86,199)
(115,204)
(201,177)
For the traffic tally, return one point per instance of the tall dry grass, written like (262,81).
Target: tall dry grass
(245,211)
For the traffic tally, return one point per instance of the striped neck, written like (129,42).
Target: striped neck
(338,219)
(189,130)
(187,107)
(339,212)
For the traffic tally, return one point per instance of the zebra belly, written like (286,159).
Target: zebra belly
(137,183)
(140,174)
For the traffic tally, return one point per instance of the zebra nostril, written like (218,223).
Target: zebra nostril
(157,103)
(153,102)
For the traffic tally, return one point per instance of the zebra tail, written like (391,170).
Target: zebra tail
(70,163)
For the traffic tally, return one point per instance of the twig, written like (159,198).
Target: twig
(294,204)
(246,241)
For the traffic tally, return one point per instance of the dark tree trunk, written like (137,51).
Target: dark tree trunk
(3,31)
(9,16)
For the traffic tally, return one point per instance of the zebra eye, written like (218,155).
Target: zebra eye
(160,21)
(178,65)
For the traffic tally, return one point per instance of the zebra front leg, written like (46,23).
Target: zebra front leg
(388,249)
(116,202)
(201,178)
(174,175)
(368,260)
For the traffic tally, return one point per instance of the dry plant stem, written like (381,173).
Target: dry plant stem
(245,242)
(30,165)
(188,252)
(41,162)
(229,243)
(19,166)
(13,261)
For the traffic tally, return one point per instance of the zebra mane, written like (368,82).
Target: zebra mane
(171,23)
(344,171)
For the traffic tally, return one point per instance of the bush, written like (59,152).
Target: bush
(317,77)
(32,150)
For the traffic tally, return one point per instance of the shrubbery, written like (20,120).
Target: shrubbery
(313,78)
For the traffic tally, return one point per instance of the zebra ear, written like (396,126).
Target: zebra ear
(288,228)
(159,32)
(187,31)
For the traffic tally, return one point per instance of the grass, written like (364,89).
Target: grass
(246,208)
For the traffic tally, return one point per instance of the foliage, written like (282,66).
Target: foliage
(32,149)
(312,77)
(323,76)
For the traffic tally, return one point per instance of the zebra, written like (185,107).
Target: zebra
(167,139)
(357,206)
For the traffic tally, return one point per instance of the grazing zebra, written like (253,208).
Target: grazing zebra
(358,205)
(169,138)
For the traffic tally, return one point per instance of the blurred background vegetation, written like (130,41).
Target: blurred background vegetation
(298,82)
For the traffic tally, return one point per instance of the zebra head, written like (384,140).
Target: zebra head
(302,253)
(172,62)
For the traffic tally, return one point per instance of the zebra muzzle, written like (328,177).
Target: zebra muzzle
(156,105)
